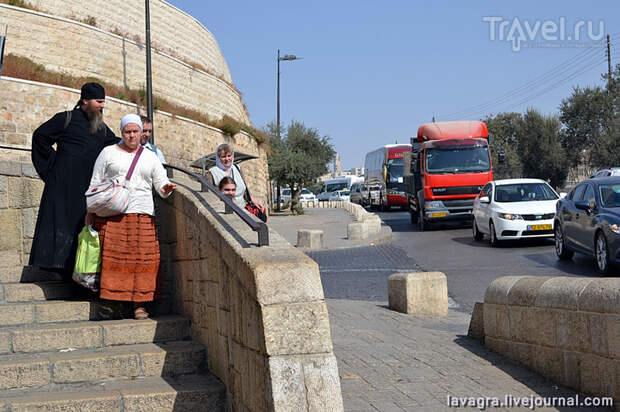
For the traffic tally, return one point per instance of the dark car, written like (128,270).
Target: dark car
(587,221)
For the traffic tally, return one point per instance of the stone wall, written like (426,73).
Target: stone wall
(259,311)
(24,105)
(567,329)
(79,49)
(172,29)
(20,194)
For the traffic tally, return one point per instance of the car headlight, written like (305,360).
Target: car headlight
(510,216)
(433,204)
(614,228)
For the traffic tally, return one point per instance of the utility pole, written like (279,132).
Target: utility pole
(2,40)
(149,77)
(608,64)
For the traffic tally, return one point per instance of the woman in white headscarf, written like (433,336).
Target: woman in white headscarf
(129,246)
(224,166)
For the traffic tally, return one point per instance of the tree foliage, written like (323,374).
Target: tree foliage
(299,157)
(503,129)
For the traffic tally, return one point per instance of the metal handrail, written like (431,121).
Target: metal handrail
(229,205)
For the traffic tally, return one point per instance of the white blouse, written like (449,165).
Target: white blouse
(148,174)
(218,174)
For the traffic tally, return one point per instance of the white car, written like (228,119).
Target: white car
(340,195)
(514,209)
(307,197)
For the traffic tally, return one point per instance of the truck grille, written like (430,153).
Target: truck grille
(457,190)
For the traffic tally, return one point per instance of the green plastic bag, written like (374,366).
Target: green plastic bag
(88,259)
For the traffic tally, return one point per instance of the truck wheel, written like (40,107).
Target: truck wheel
(422,225)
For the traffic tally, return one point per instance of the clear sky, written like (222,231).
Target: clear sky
(372,71)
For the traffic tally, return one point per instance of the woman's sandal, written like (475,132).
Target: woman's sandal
(140,313)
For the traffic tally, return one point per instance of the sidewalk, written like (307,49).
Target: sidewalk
(389,361)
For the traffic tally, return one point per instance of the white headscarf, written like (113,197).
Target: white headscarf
(131,118)
(218,162)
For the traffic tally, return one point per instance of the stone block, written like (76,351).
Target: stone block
(421,293)
(9,168)
(29,221)
(296,328)
(598,375)
(523,353)
(572,370)
(573,331)
(322,383)
(549,362)
(62,311)
(276,276)
(357,231)
(545,326)
(83,368)
(503,322)
(56,337)
(49,401)
(10,266)
(497,345)
(28,170)
(24,374)
(5,342)
(288,390)
(373,222)
(490,319)
(146,331)
(613,335)
(561,293)
(601,295)
(476,323)
(497,292)
(10,222)
(24,192)
(4,184)
(524,291)
(312,239)
(26,292)
(20,314)
(599,340)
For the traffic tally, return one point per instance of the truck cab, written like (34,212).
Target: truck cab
(449,164)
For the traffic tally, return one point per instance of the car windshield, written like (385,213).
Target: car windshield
(458,160)
(345,193)
(395,174)
(524,192)
(286,192)
(610,195)
(333,187)
(305,192)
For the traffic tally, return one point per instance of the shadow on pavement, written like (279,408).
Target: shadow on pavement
(540,386)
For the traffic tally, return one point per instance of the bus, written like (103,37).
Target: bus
(383,176)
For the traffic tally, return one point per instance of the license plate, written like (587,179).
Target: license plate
(539,227)
(438,214)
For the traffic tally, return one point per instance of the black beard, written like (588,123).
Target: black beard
(96,121)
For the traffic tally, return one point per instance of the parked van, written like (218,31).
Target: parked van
(339,183)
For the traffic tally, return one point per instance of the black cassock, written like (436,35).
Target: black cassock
(66,172)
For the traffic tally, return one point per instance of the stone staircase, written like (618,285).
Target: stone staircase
(58,353)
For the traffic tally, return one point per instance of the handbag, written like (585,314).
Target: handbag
(111,197)
(253,209)
(87,267)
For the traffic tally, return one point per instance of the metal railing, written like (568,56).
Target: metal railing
(229,205)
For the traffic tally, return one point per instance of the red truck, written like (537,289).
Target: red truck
(449,164)
(383,176)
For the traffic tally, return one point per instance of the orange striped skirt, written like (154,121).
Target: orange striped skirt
(129,257)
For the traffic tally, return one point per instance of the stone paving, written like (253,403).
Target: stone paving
(389,361)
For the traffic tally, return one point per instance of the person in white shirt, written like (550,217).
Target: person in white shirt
(129,245)
(147,130)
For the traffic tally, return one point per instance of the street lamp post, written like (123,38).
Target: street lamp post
(285,57)
(149,77)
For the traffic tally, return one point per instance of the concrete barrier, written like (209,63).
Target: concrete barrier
(308,238)
(567,329)
(357,231)
(372,221)
(420,293)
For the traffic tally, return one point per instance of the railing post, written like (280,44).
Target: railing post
(263,235)
(227,209)
(169,173)
(203,186)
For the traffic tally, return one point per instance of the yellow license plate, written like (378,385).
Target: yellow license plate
(539,227)
(438,214)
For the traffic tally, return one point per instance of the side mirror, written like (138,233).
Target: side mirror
(384,173)
(583,205)
(485,199)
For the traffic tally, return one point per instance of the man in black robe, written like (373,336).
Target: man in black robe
(79,135)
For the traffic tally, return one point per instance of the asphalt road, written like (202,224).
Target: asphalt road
(471,266)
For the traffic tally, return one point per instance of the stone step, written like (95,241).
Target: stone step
(39,291)
(127,361)
(154,394)
(56,311)
(78,335)
(15,273)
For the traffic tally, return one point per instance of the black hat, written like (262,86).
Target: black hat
(92,91)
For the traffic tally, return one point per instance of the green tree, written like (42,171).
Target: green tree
(503,139)
(299,157)
(540,148)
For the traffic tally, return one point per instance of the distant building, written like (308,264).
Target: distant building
(337,171)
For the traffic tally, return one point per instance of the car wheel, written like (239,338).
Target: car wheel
(560,243)
(477,233)
(421,223)
(494,240)
(601,253)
